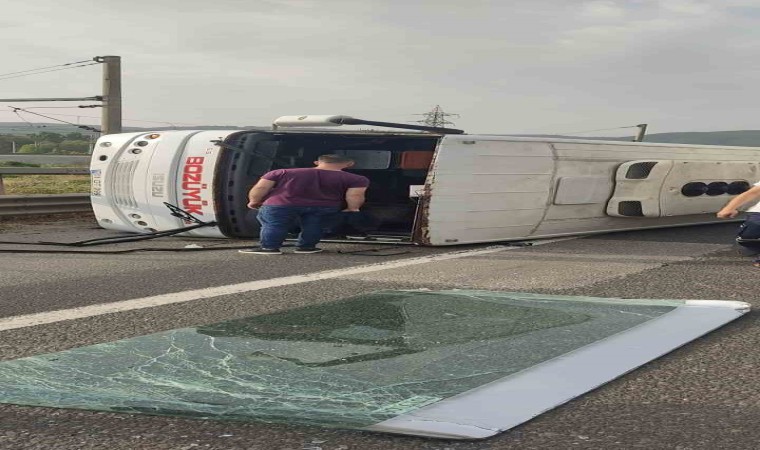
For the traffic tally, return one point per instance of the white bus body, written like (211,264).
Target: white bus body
(430,189)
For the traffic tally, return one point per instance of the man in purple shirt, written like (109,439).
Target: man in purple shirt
(308,195)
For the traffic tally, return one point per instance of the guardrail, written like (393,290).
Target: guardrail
(19,205)
(32,204)
(43,171)
(39,171)
(47,159)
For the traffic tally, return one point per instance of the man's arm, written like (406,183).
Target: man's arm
(354,198)
(731,209)
(258,192)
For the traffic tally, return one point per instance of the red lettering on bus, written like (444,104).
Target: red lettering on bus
(191,185)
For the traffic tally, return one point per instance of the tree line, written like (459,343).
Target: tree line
(46,143)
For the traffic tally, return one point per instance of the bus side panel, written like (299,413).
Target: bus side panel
(482,188)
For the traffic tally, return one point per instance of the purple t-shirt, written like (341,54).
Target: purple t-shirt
(311,187)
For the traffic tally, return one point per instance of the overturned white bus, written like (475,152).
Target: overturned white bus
(432,187)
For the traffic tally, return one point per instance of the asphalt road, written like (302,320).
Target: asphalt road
(705,395)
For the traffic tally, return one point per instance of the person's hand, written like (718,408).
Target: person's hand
(254,204)
(727,213)
(350,210)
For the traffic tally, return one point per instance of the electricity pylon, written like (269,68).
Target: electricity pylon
(436,117)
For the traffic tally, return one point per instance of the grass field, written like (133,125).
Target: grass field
(46,184)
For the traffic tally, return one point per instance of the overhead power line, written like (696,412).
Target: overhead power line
(111,94)
(174,124)
(47,71)
(22,118)
(48,67)
(64,107)
(84,127)
(50,128)
(59,129)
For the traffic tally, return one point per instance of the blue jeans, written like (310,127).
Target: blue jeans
(276,221)
(750,229)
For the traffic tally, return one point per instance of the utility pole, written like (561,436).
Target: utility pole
(111,98)
(111,119)
(436,117)
(642,131)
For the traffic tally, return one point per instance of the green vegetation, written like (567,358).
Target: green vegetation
(43,184)
(46,184)
(46,143)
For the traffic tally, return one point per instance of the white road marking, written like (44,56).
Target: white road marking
(29,320)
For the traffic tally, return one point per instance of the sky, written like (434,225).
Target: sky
(505,67)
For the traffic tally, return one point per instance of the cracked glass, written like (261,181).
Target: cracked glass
(351,363)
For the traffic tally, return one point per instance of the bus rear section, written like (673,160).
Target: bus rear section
(397,166)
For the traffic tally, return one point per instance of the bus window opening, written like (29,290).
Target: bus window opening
(396,166)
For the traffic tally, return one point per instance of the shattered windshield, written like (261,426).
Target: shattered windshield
(351,363)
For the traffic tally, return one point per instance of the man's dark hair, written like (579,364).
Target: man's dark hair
(334,159)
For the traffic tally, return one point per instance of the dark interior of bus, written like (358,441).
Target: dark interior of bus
(396,166)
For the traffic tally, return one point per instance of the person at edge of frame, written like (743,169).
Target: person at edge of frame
(750,229)
(310,195)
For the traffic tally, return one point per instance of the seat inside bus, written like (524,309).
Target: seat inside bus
(396,166)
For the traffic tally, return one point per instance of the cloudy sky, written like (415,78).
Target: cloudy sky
(510,66)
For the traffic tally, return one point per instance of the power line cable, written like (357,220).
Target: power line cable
(64,107)
(125,120)
(46,71)
(10,131)
(22,118)
(43,68)
(50,127)
(84,127)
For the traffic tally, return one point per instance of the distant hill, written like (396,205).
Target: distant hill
(742,138)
